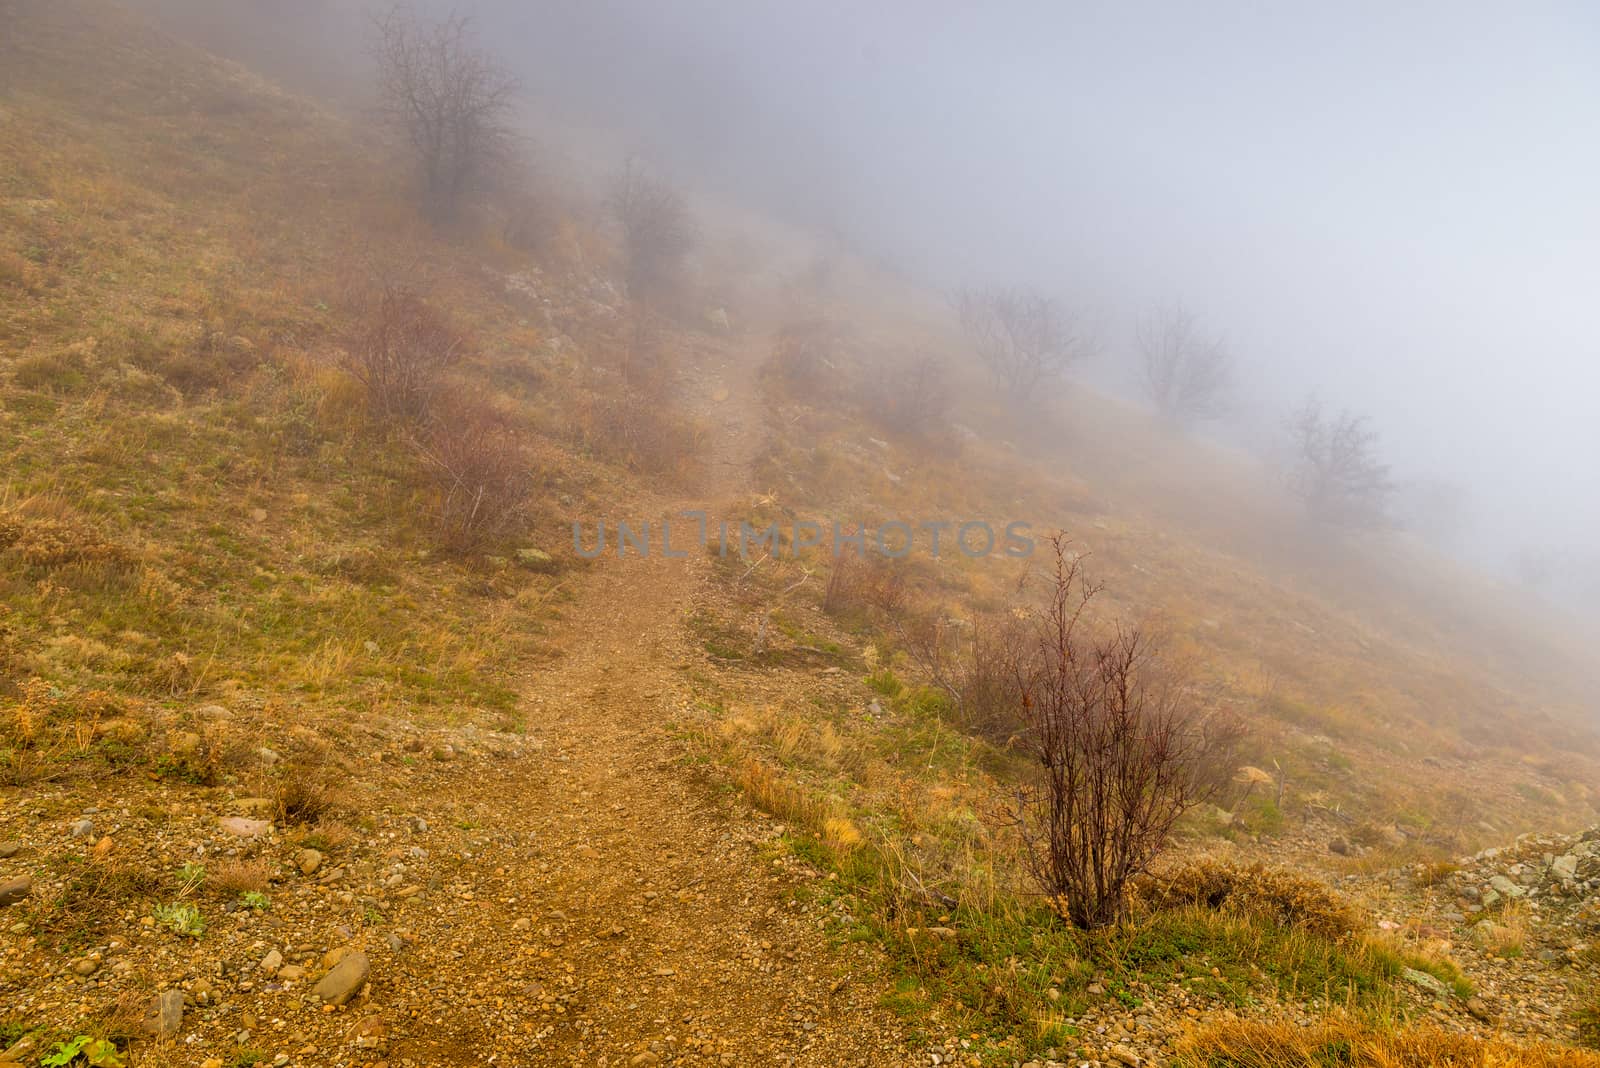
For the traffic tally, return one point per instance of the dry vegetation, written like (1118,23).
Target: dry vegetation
(1286,1045)
(224,483)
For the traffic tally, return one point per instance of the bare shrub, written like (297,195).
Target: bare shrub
(1187,375)
(1116,745)
(910,397)
(657,231)
(868,583)
(641,433)
(479,475)
(400,355)
(805,359)
(1336,473)
(449,100)
(1025,339)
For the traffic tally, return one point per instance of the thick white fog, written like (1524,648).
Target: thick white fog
(1390,205)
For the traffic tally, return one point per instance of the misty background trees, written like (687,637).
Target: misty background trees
(1186,374)
(657,230)
(450,102)
(1025,339)
(1335,471)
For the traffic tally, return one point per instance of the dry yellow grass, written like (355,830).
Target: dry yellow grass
(1351,1045)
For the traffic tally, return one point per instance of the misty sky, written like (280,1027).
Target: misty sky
(1396,205)
(1393,204)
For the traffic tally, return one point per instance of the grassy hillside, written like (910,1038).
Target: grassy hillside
(230,589)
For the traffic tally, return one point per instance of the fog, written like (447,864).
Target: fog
(1389,205)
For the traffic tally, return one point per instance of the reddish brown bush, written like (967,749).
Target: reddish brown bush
(1117,747)
(640,432)
(805,359)
(400,355)
(910,397)
(479,475)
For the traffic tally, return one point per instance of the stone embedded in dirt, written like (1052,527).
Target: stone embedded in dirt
(444,753)
(308,861)
(14,890)
(1505,887)
(83,828)
(271,962)
(9,849)
(245,828)
(341,984)
(1425,981)
(165,1018)
(20,1051)
(85,967)
(1339,846)
(291,972)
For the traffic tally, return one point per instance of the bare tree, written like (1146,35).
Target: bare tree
(449,100)
(657,231)
(1118,745)
(1025,339)
(1186,375)
(1337,474)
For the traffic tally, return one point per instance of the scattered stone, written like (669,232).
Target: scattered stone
(83,828)
(245,828)
(341,984)
(9,849)
(1505,887)
(14,890)
(308,861)
(1124,1055)
(1425,981)
(271,962)
(1339,846)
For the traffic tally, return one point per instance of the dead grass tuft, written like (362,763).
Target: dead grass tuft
(308,795)
(1277,896)
(235,876)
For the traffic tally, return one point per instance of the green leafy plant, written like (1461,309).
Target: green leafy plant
(255,899)
(96,1052)
(181,919)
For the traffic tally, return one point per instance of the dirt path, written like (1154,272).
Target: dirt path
(606,907)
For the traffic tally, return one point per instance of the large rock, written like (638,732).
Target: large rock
(341,984)
(165,1018)
(1505,887)
(245,828)
(14,890)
